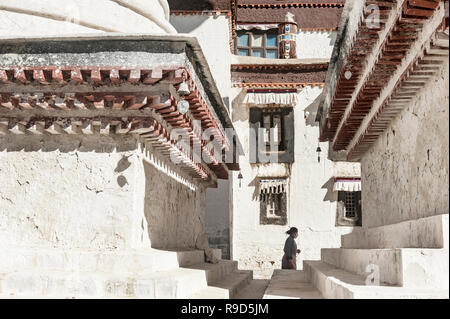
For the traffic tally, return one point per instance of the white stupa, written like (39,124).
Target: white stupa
(65,17)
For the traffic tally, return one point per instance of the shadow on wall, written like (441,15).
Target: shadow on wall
(240,112)
(330,196)
(311,112)
(172,211)
(255,184)
(332,36)
(67,144)
(188,24)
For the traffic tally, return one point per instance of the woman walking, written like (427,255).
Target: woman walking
(290,250)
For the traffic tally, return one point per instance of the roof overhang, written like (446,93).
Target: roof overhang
(121,84)
(377,69)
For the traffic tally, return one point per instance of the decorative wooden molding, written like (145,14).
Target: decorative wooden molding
(107,100)
(349,107)
(277,85)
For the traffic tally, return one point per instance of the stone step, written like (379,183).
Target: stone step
(215,272)
(178,283)
(227,287)
(336,283)
(74,260)
(254,290)
(287,275)
(412,268)
(428,232)
(211,293)
(291,284)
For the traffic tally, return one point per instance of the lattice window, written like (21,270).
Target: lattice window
(273,202)
(349,209)
(350,205)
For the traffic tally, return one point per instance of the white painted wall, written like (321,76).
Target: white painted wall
(315,44)
(94,193)
(66,17)
(311,202)
(406,173)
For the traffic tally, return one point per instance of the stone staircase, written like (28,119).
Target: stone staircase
(151,273)
(352,273)
(341,275)
(291,284)
(336,283)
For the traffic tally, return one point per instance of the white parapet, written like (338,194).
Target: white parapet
(429,232)
(407,267)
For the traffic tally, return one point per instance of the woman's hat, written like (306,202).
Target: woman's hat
(291,231)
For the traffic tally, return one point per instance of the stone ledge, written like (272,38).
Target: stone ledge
(336,283)
(429,232)
(413,268)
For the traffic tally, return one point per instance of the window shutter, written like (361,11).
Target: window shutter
(341,196)
(359,208)
(288,156)
(255,123)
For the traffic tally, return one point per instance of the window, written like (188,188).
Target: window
(349,209)
(350,205)
(273,202)
(272,123)
(275,126)
(257,44)
(273,206)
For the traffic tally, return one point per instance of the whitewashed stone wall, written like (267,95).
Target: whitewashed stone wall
(65,17)
(406,173)
(94,193)
(311,201)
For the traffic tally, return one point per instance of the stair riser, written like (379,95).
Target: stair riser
(98,286)
(220,271)
(327,287)
(189,258)
(235,290)
(300,276)
(109,262)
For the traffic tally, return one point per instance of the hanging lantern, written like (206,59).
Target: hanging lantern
(183,106)
(319,150)
(183,89)
(240,177)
